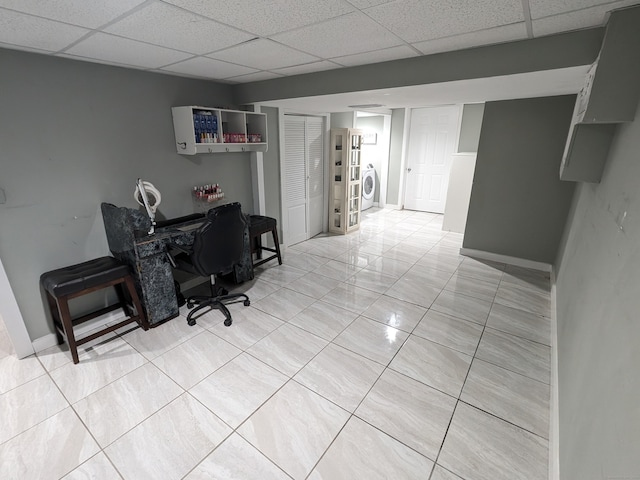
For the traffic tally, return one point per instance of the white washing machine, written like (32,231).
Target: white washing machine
(368,186)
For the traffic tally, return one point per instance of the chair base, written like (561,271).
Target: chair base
(199,303)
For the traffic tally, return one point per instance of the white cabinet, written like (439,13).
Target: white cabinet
(346,180)
(210,130)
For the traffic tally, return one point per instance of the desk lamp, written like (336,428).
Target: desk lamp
(142,193)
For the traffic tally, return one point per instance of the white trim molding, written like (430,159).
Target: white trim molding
(13,321)
(554,401)
(515,261)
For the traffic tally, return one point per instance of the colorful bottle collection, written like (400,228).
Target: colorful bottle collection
(208,193)
(205,124)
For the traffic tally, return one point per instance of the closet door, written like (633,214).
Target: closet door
(303,189)
(295,176)
(315,174)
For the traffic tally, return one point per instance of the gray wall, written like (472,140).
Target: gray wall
(342,120)
(544,53)
(518,204)
(598,280)
(271,159)
(77,134)
(395,156)
(373,153)
(470,127)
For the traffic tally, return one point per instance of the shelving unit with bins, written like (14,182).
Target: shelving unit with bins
(346,180)
(222,131)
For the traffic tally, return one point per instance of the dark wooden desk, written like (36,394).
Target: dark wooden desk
(147,255)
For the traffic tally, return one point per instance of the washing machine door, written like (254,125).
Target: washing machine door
(368,184)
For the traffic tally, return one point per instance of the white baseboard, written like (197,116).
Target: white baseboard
(51,339)
(390,206)
(515,261)
(42,343)
(554,401)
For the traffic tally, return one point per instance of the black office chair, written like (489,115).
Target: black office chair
(217,246)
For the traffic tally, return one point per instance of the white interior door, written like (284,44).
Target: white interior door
(303,189)
(315,174)
(432,142)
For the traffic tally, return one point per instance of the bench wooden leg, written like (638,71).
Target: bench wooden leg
(67,324)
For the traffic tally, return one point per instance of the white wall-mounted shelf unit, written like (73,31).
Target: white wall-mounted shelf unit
(211,130)
(346,180)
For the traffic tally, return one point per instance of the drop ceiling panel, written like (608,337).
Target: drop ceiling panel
(263,54)
(507,33)
(254,77)
(266,18)
(419,20)
(114,49)
(208,68)
(545,8)
(589,17)
(377,56)
(362,4)
(90,14)
(308,68)
(24,30)
(346,35)
(172,27)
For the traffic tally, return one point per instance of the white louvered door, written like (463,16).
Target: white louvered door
(315,174)
(303,192)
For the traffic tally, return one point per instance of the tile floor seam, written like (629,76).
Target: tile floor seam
(503,419)
(457,402)
(518,336)
(445,244)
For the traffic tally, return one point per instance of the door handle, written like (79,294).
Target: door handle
(409,169)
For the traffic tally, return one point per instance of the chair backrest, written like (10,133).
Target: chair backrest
(219,243)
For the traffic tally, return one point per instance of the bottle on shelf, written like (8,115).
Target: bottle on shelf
(208,193)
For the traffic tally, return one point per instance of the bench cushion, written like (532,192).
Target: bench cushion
(259,224)
(83,276)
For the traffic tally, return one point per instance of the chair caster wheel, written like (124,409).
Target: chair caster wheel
(227,322)
(190,305)
(191,322)
(247,303)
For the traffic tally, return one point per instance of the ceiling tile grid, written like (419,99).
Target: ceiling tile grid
(377,56)
(345,35)
(546,8)
(208,68)
(19,29)
(103,46)
(250,40)
(263,54)
(85,13)
(266,18)
(168,26)
(585,18)
(419,20)
(308,68)
(507,33)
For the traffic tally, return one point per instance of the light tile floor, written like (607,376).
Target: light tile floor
(382,354)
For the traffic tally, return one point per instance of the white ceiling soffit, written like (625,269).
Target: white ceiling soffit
(524,85)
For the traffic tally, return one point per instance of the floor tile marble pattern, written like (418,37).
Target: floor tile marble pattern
(376,355)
